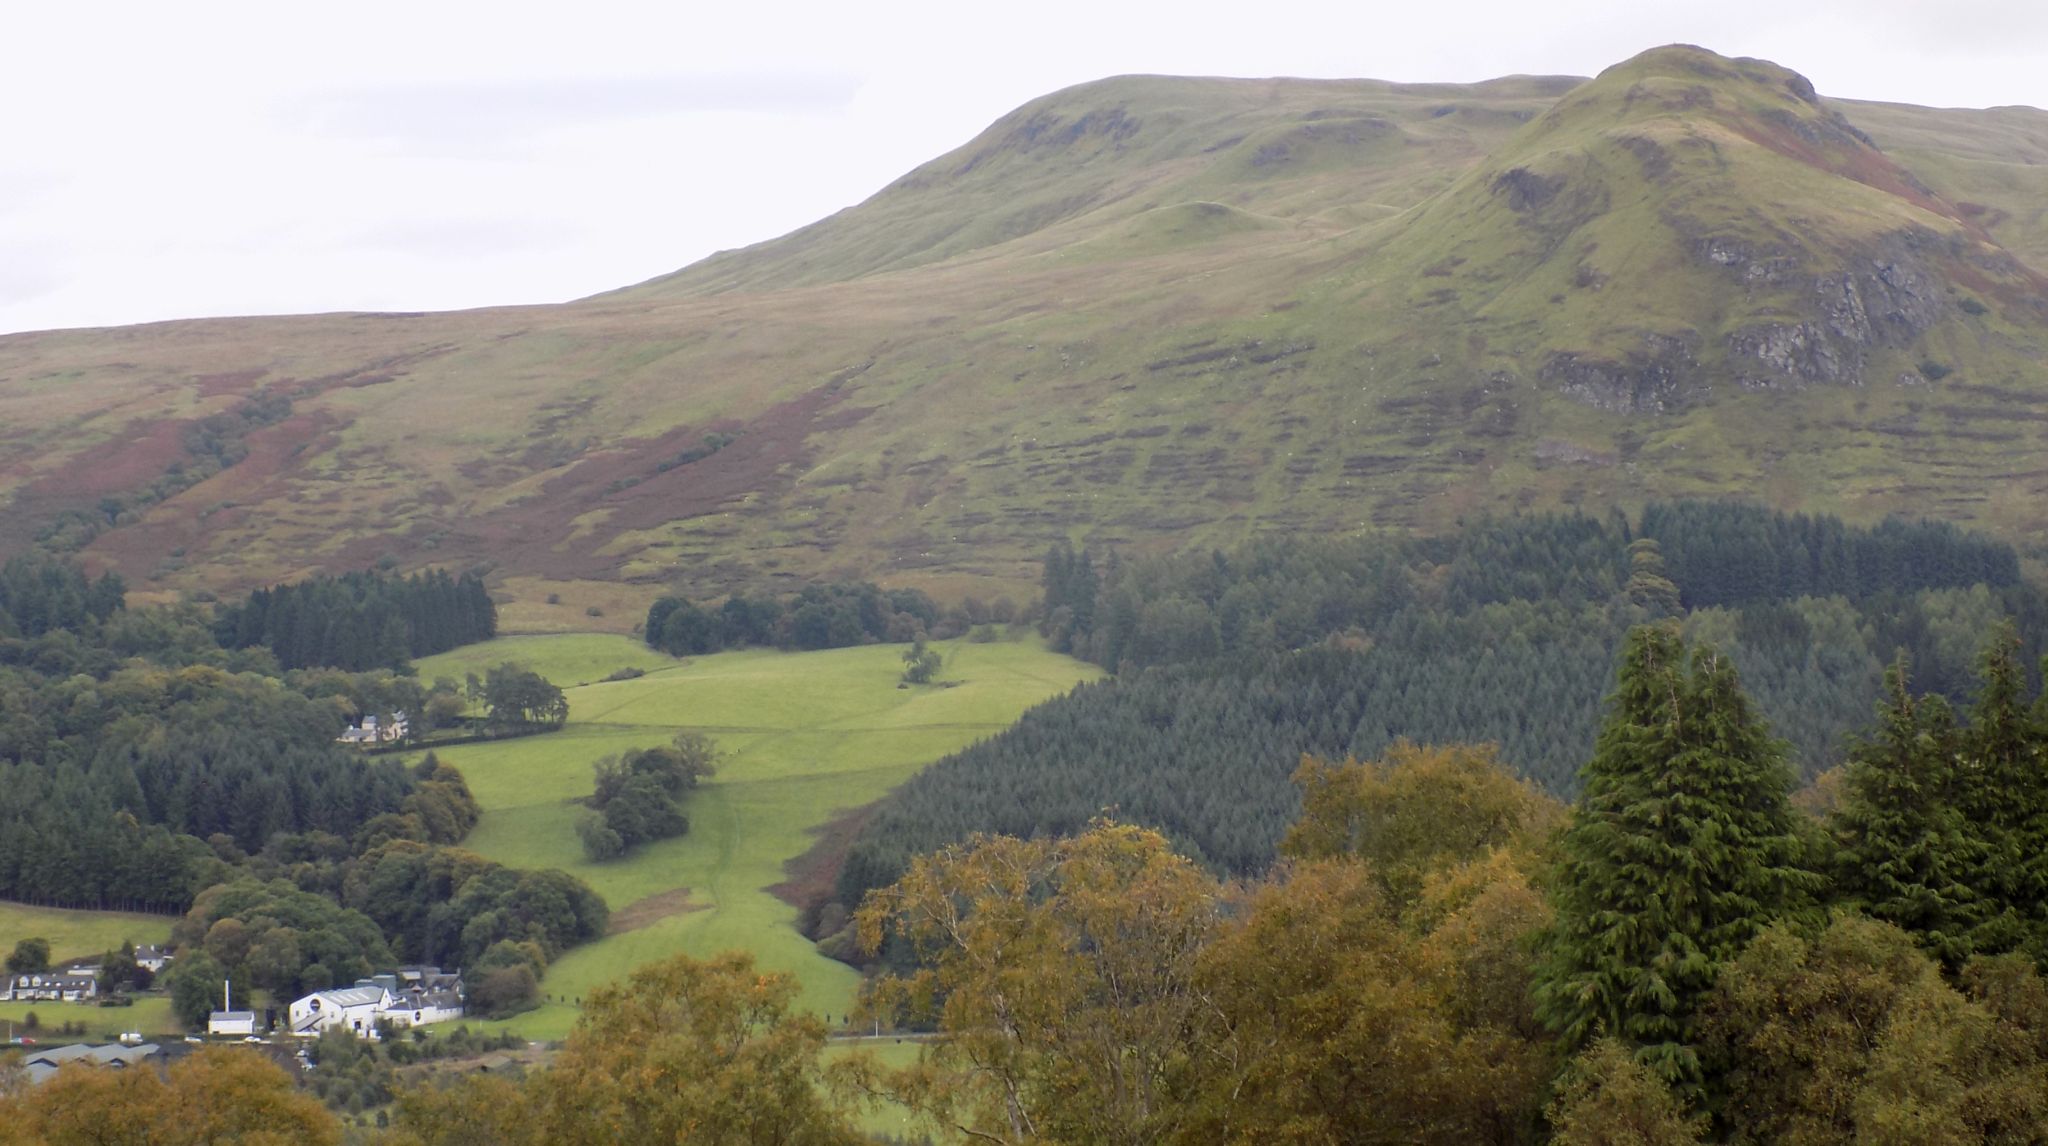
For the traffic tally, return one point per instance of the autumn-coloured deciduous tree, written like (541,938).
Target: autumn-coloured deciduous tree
(1609,1098)
(1854,1036)
(1342,1022)
(1417,809)
(213,1097)
(1063,975)
(476,1110)
(684,1050)
(1102,989)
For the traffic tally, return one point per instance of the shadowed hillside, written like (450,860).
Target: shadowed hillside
(1143,313)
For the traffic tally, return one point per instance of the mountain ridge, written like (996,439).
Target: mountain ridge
(1144,313)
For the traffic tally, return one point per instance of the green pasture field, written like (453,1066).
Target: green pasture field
(804,736)
(77,934)
(568,659)
(151,1015)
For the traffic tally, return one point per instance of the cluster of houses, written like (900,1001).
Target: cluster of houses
(74,982)
(370,731)
(66,986)
(407,997)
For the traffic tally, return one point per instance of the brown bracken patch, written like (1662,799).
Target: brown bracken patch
(762,458)
(136,456)
(653,909)
(809,879)
(273,453)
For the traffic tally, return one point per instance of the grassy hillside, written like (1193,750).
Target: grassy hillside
(78,934)
(807,736)
(1145,313)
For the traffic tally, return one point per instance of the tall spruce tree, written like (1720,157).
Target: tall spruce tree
(1908,854)
(2004,794)
(1682,848)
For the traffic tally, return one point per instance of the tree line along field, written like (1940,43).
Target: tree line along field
(803,736)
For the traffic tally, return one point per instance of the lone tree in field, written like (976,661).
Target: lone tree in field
(1682,849)
(517,697)
(920,664)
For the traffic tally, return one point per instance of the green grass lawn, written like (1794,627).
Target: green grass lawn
(75,934)
(806,735)
(151,1015)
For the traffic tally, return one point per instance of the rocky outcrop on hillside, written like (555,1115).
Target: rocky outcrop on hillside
(1663,376)
(1888,297)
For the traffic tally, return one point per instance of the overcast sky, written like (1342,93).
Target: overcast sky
(186,159)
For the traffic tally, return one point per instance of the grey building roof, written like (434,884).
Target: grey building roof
(352,996)
(44,1063)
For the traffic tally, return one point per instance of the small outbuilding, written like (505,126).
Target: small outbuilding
(231,1023)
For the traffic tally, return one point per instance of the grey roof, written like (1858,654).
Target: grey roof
(45,979)
(416,998)
(112,1054)
(352,996)
(232,1017)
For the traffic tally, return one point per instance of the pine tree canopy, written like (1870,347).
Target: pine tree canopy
(1682,848)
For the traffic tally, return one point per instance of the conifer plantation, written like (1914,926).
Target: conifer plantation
(1229,667)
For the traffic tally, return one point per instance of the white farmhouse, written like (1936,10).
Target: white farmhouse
(369,731)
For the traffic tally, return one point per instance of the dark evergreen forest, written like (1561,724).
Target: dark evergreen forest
(1230,668)
(816,617)
(361,621)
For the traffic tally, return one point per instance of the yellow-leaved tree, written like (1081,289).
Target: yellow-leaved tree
(1061,974)
(214,1096)
(684,1050)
